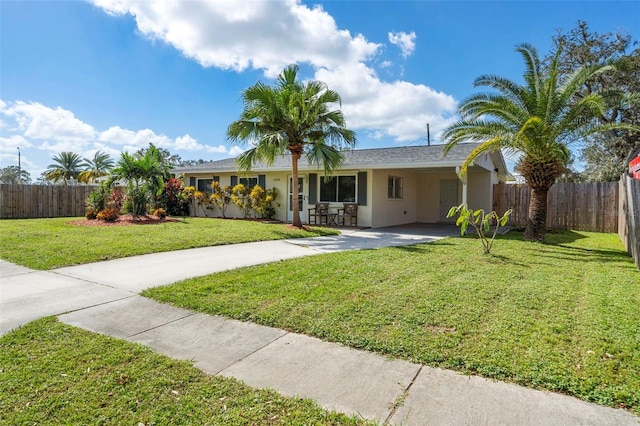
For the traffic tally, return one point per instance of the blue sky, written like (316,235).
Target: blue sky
(116,75)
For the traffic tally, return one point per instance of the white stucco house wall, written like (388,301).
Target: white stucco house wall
(392,186)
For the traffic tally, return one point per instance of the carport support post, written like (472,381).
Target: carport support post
(463,178)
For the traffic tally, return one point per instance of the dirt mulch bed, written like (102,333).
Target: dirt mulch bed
(125,220)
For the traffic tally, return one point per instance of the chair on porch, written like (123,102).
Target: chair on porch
(321,210)
(348,212)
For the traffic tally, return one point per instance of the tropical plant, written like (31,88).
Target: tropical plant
(66,166)
(108,215)
(99,198)
(172,197)
(221,196)
(160,213)
(293,118)
(262,201)
(240,197)
(100,165)
(141,174)
(136,200)
(538,120)
(481,222)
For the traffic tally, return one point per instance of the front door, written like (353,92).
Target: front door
(448,198)
(303,213)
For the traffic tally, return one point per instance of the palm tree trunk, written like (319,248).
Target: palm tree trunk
(295,193)
(537,220)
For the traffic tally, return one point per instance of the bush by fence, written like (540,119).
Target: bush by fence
(33,201)
(579,206)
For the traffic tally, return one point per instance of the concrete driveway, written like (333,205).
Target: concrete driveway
(373,238)
(26,294)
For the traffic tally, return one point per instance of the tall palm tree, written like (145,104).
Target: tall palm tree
(66,165)
(538,120)
(295,118)
(100,165)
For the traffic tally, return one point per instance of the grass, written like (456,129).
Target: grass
(53,243)
(57,374)
(564,316)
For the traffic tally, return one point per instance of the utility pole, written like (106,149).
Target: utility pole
(19,167)
(428,136)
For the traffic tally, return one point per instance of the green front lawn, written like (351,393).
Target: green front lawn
(53,243)
(564,316)
(51,373)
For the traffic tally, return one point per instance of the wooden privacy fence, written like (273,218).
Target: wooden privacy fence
(629,219)
(579,206)
(32,201)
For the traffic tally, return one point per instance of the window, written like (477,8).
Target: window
(338,189)
(248,182)
(204,185)
(395,187)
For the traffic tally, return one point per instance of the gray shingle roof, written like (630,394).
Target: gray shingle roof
(396,157)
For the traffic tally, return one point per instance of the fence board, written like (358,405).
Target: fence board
(629,220)
(578,206)
(34,201)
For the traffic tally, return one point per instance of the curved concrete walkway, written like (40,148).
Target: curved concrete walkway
(102,297)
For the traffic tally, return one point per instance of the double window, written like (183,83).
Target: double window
(248,182)
(394,189)
(204,185)
(340,189)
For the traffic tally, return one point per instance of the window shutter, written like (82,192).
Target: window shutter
(234,180)
(216,178)
(362,188)
(192,181)
(313,188)
(262,181)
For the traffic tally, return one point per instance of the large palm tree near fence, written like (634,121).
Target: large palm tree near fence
(100,165)
(66,166)
(538,120)
(291,117)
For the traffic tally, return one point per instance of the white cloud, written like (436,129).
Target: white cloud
(13,142)
(235,151)
(220,149)
(267,35)
(141,138)
(35,128)
(58,127)
(398,109)
(406,42)
(240,34)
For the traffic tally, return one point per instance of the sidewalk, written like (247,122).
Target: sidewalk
(337,377)
(102,297)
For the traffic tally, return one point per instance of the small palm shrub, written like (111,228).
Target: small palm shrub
(136,201)
(108,215)
(160,213)
(99,197)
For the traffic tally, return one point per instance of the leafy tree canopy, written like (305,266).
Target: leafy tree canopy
(13,174)
(607,154)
